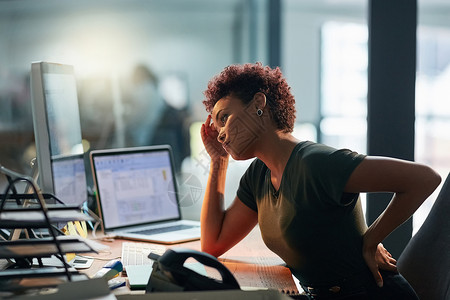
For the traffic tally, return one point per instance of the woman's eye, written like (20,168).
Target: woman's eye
(224,118)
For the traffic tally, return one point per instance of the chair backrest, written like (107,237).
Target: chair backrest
(425,262)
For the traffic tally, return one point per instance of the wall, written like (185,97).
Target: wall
(301,47)
(197,42)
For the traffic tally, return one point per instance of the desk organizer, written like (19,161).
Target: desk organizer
(29,231)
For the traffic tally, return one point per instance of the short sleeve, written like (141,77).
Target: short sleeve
(330,170)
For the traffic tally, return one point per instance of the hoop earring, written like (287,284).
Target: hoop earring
(259,112)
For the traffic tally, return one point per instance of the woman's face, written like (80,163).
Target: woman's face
(238,126)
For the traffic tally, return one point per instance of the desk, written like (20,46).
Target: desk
(250,261)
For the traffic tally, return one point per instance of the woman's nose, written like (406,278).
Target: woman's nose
(221,136)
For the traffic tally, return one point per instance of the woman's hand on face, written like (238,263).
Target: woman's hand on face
(209,136)
(379,258)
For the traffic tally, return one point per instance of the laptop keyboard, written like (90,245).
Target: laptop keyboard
(137,253)
(164,229)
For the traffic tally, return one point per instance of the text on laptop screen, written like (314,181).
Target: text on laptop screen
(136,188)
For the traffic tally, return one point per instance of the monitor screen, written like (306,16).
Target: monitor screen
(57,132)
(135,187)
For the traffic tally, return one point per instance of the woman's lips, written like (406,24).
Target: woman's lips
(225,145)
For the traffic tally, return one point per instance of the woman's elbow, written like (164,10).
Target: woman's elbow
(209,248)
(431,179)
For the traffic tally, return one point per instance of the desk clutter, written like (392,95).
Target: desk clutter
(172,276)
(30,233)
(36,242)
(136,254)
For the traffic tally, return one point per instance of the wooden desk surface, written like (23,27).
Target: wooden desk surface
(250,261)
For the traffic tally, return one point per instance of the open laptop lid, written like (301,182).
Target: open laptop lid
(135,186)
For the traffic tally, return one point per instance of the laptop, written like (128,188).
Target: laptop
(137,195)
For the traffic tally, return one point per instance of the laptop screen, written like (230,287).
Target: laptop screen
(135,186)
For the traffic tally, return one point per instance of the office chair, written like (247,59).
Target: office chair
(425,262)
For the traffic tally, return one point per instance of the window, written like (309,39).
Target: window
(344,85)
(344,96)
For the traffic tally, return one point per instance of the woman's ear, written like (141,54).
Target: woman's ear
(259,100)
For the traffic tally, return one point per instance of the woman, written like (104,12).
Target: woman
(303,195)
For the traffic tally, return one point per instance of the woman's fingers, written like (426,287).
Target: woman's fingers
(209,135)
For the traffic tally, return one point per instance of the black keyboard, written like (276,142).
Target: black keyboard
(164,229)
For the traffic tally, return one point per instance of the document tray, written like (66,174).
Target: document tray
(44,247)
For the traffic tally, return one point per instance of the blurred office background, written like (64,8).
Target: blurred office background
(141,68)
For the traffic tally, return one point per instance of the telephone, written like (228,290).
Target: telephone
(170,275)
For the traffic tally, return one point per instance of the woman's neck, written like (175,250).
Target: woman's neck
(275,152)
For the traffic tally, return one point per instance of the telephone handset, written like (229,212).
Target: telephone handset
(170,274)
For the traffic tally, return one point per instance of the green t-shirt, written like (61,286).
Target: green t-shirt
(310,222)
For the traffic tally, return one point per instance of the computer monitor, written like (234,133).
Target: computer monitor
(57,131)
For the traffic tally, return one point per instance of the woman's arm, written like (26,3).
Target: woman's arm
(411,184)
(221,228)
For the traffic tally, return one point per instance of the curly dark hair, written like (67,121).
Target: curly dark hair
(244,81)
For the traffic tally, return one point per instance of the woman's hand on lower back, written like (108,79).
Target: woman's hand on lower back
(378,258)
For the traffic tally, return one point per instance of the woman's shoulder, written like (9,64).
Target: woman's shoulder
(313,150)
(309,147)
(257,166)
(308,150)
(254,175)
(313,155)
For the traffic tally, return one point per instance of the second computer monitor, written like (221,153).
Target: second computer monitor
(57,130)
